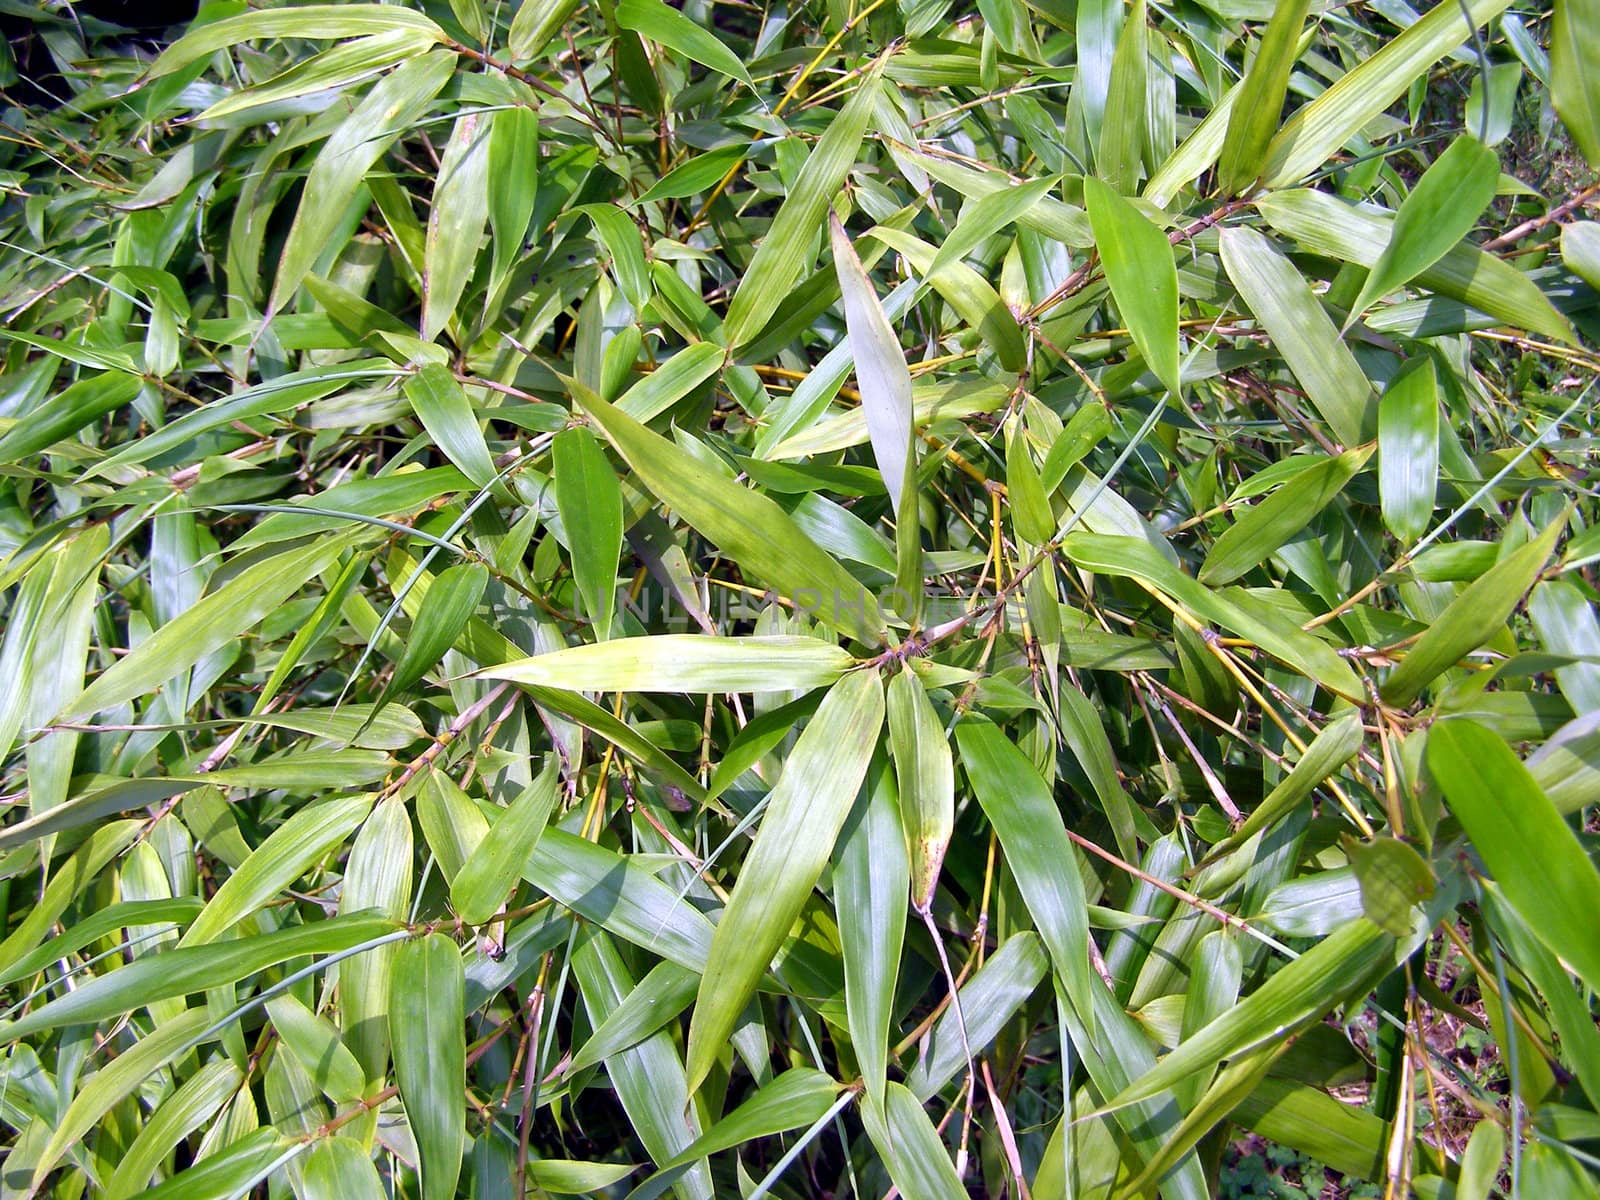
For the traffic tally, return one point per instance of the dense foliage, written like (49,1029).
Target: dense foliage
(572,572)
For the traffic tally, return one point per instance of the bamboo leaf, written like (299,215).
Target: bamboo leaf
(1143,279)
(456,220)
(783,255)
(1317,131)
(427,1027)
(1574,49)
(492,870)
(1532,854)
(1255,114)
(388,111)
(869,895)
(1408,450)
(881,373)
(217,619)
(925,774)
(1303,333)
(1471,619)
(1441,209)
(804,815)
(748,527)
(669,27)
(590,504)
(178,972)
(1026,820)
(288,853)
(442,406)
(1262,530)
(685,663)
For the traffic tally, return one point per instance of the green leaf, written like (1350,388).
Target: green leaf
(620,237)
(695,175)
(1144,282)
(590,504)
(1262,530)
(67,412)
(291,850)
(535,23)
(1298,994)
(1408,449)
(881,374)
(1122,131)
(1441,210)
(1580,250)
(986,216)
(619,894)
(441,618)
(746,526)
(427,1027)
(784,254)
(386,113)
(918,1162)
(339,1168)
(323,21)
(442,406)
(1317,131)
(925,773)
(1327,225)
(1019,805)
(804,815)
(180,1114)
(671,381)
(793,1100)
(1334,746)
(1394,879)
(336,69)
(1574,90)
(1471,619)
(1529,849)
(492,870)
(178,972)
(1302,332)
(1480,1164)
(1257,109)
(377,879)
(685,663)
(315,1043)
(108,920)
(649,1077)
(869,897)
(230,611)
(988,1001)
(513,182)
(456,218)
(1127,556)
(117,1080)
(659,997)
(230,1172)
(968,293)
(667,26)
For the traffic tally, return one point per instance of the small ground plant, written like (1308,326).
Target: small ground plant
(817,598)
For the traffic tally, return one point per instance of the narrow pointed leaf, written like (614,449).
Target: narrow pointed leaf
(746,526)
(1527,846)
(869,896)
(1144,281)
(802,821)
(1025,817)
(427,1026)
(881,372)
(1471,619)
(1441,209)
(487,877)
